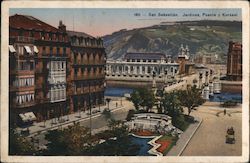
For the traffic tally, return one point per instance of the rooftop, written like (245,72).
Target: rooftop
(150,56)
(79,34)
(29,22)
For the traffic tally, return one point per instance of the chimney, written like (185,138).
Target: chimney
(61,26)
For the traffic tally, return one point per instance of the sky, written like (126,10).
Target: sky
(100,22)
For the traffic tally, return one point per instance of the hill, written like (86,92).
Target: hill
(203,37)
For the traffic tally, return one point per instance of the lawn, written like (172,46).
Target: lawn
(167,142)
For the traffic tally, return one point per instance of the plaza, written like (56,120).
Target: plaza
(209,139)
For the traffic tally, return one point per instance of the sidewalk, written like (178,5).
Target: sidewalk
(185,138)
(68,119)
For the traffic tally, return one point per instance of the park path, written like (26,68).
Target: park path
(184,139)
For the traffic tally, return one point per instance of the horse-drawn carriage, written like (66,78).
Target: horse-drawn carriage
(230,138)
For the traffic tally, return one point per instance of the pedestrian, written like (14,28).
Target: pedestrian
(116,104)
(225,112)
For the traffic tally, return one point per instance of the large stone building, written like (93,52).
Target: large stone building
(139,68)
(87,73)
(234,61)
(44,76)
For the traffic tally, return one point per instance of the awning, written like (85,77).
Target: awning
(35,49)
(31,116)
(12,49)
(23,118)
(28,50)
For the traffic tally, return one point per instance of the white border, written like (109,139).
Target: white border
(122,4)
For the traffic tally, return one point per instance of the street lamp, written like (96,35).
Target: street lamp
(79,110)
(108,101)
(121,100)
(90,121)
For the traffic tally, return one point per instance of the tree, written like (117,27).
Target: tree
(190,98)
(142,97)
(172,104)
(148,98)
(20,145)
(69,141)
(135,99)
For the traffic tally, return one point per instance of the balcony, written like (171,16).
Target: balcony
(23,39)
(22,72)
(27,104)
(86,90)
(86,45)
(21,89)
(89,77)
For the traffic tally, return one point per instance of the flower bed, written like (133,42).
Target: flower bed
(164,145)
(144,133)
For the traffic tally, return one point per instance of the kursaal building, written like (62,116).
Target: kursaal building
(52,71)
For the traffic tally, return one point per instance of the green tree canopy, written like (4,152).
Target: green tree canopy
(190,98)
(171,104)
(69,141)
(142,97)
(20,145)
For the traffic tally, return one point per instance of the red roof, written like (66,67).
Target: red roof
(29,22)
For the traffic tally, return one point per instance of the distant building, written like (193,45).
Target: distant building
(141,66)
(185,67)
(234,61)
(205,59)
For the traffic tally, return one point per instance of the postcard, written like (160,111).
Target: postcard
(125,81)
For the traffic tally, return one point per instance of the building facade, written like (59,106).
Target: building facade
(234,61)
(140,67)
(87,74)
(48,72)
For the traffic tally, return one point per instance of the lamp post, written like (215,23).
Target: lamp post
(90,121)
(79,110)
(121,100)
(108,101)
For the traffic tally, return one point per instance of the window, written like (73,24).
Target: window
(44,50)
(31,65)
(20,33)
(20,50)
(50,36)
(76,71)
(64,51)
(62,65)
(31,34)
(57,50)
(51,50)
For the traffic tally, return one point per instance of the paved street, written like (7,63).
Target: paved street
(209,139)
(99,122)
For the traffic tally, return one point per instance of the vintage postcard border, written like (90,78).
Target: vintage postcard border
(122,4)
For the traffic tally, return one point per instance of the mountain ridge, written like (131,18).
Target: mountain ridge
(203,37)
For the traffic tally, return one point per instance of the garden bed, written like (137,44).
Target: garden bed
(167,142)
(144,133)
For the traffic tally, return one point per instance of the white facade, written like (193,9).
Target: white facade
(57,81)
(24,97)
(141,69)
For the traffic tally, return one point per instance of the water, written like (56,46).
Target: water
(144,146)
(117,91)
(227,96)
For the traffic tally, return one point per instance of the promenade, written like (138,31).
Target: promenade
(64,121)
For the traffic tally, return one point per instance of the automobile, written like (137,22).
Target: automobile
(230,137)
